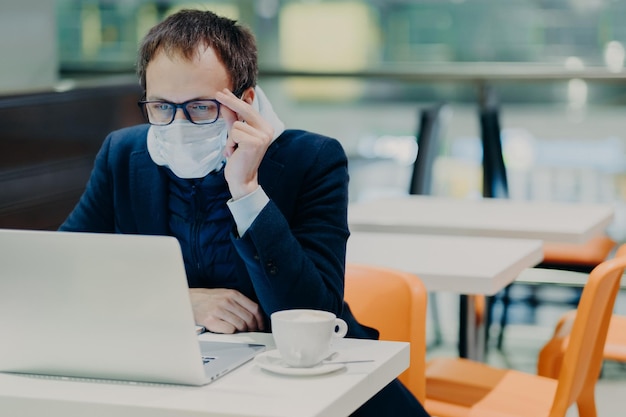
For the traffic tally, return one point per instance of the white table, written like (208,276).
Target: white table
(547,221)
(246,392)
(461,264)
(488,217)
(466,265)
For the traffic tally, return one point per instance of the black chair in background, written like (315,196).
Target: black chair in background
(428,132)
(427,148)
(495,185)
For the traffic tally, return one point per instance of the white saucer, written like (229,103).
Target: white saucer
(271,361)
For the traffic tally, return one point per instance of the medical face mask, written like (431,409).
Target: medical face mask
(189,150)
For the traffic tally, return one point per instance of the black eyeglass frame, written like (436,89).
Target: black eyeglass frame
(142,105)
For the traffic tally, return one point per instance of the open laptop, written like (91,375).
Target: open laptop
(104,306)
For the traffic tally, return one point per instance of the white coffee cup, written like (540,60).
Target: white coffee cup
(304,337)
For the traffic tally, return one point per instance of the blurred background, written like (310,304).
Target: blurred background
(360,71)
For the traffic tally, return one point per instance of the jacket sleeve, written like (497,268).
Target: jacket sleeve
(296,256)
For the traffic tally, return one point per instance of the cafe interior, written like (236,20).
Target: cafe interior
(454,101)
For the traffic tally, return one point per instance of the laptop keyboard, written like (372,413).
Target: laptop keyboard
(207,359)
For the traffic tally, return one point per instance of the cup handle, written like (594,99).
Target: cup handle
(341,328)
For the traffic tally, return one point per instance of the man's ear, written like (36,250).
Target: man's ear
(248,95)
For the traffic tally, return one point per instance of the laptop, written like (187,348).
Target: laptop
(103,306)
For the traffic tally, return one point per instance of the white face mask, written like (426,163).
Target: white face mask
(189,150)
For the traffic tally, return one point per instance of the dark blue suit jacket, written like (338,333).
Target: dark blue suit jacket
(292,256)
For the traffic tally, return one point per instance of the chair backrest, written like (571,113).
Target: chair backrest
(583,357)
(427,146)
(495,184)
(393,302)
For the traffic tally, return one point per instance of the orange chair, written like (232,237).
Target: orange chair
(573,256)
(577,257)
(615,347)
(394,303)
(551,354)
(460,387)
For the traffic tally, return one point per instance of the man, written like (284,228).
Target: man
(260,211)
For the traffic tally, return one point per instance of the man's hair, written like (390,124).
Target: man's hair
(183,32)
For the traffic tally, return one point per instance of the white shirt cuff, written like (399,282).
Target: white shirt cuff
(246,209)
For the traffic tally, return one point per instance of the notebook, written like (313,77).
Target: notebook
(104,306)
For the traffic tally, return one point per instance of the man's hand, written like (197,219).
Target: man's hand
(225,311)
(248,139)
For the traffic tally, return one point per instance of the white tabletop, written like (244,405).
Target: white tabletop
(247,391)
(548,221)
(466,265)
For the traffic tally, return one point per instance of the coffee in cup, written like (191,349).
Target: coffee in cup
(304,336)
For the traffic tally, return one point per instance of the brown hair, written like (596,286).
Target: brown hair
(183,32)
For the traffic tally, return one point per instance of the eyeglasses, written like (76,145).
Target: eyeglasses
(161,113)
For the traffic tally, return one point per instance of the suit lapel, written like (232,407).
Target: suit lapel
(270,170)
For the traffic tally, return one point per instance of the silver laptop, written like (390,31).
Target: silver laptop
(104,306)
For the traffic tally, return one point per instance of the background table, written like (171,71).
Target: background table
(548,221)
(487,217)
(466,265)
(245,392)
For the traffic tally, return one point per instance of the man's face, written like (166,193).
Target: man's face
(177,80)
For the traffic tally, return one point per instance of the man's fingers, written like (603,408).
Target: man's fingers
(256,319)
(223,320)
(249,311)
(235,320)
(244,111)
(226,311)
(219,326)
